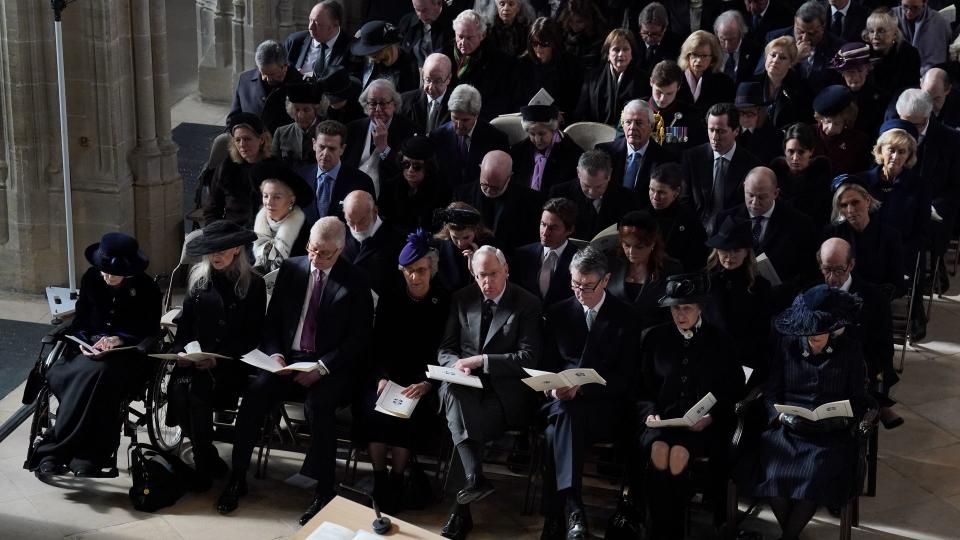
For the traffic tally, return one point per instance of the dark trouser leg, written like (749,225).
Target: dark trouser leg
(260,399)
(566,437)
(320,406)
(801,514)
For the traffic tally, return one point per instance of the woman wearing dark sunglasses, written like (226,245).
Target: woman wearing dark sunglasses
(408,199)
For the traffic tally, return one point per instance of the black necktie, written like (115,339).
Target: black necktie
(838,23)
(306,150)
(757,232)
(486,316)
(321,62)
(730,68)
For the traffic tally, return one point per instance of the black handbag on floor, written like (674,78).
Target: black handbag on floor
(159,477)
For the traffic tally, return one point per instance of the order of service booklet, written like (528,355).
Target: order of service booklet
(393,402)
(191,352)
(453,375)
(258,358)
(544,380)
(697,412)
(827,410)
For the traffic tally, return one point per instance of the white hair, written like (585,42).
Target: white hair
(465,99)
(730,16)
(329,228)
(383,84)
(638,104)
(469,16)
(489,250)
(915,101)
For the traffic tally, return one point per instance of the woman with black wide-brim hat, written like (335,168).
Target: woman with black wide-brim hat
(119,306)
(681,361)
(223,311)
(281,226)
(808,464)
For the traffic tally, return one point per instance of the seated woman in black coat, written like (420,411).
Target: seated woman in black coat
(640,267)
(682,232)
(280,226)
(119,306)
(546,64)
(681,362)
(609,87)
(462,233)
(704,82)
(783,88)
(508,22)
(804,179)
(739,298)
(546,157)
(222,314)
(835,113)
(807,464)
(408,199)
(414,319)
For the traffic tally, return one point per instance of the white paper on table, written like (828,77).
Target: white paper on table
(331,531)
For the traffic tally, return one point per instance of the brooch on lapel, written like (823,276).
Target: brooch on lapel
(843,146)
(682,228)
(133,292)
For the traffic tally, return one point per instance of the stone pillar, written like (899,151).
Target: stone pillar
(123,163)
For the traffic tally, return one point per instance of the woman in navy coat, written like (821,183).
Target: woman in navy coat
(808,464)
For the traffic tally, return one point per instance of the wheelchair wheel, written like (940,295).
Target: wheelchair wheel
(44,417)
(161,435)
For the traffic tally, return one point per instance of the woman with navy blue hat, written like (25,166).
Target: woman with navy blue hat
(412,320)
(808,464)
(223,311)
(119,306)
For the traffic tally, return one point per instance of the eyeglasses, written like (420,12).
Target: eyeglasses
(583,287)
(696,56)
(414,166)
(322,255)
(436,80)
(907,7)
(379,104)
(537,43)
(833,270)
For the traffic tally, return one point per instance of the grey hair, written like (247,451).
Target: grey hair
(319,108)
(433,256)
(936,76)
(488,249)
(465,99)
(654,13)
(488,10)
(469,16)
(239,273)
(594,161)
(552,125)
(638,104)
(383,84)
(914,101)
(270,53)
(590,260)
(731,16)
(329,228)
(812,10)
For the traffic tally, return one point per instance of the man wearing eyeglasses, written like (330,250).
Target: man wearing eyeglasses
(657,42)
(426,107)
(321,312)
(591,329)
(925,29)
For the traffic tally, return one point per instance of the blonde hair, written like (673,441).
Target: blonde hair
(266,148)
(882,17)
(696,40)
(787,43)
(899,138)
(835,215)
(750,262)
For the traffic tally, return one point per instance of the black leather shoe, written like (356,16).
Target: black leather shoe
(577,526)
(457,526)
(317,505)
(477,488)
(553,529)
(50,466)
(230,498)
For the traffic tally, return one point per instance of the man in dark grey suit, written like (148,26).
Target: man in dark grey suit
(494,332)
(323,44)
(330,179)
(263,90)
(426,107)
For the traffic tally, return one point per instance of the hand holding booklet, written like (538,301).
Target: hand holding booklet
(453,375)
(90,349)
(544,380)
(191,352)
(258,358)
(827,410)
(694,415)
(394,403)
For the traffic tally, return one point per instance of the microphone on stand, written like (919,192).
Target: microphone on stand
(382,524)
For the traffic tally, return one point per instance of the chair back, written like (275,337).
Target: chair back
(589,134)
(510,125)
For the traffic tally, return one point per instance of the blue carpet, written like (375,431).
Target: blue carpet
(20,343)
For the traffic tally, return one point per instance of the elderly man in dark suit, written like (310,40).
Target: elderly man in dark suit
(634,155)
(493,331)
(765,16)
(372,142)
(815,43)
(600,202)
(508,208)
(373,245)
(657,40)
(263,90)
(481,64)
(713,172)
(592,330)
(740,54)
(541,267)
(330,179)
(323,43)
(428,30)
(946,99)
(426,107)
(466,139)
(848,19)
(320,313)
(786,236)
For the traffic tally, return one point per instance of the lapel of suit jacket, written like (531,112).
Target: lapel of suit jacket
(592,335)
(332,287)
(773,227)
(500,314)
(297,294)
(474,314)
(706,172)
(307,42)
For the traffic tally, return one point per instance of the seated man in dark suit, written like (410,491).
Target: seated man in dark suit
(426,107)
(373,245)
(493,332)
(464,141)
(786,236)
(331,179)
(323,43)
(657,40)
(263,90)
(320,312)
(479,63)
(740,54)
(848,19)
(634,155)
(600,202)
(428,30)
(815,43)
(592,330)
(541,267)
(946,99)
(373,141)
(764,16)
(508,208)
(713,172)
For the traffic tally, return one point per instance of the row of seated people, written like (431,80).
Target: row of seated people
(322,311)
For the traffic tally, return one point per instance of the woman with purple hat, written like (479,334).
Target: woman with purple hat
(807,464)
(855,65)
(119,306)
(412,320)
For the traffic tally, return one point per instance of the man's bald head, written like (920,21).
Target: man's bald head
(436,75)
(495,171)
(936,82)
(836,261)
(360,212)
(760,190)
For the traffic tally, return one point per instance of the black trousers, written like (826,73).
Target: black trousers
(266,392)
(194,394)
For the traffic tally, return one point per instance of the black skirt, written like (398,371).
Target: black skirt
(372,426)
